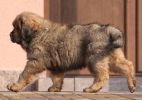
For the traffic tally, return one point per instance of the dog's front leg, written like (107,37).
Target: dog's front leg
(27,76)
(57,79)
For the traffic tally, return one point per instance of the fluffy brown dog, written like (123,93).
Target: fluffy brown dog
(60,48)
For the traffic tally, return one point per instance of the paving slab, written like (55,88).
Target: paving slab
(69,96)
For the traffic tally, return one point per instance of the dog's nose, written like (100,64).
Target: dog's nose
(12,37)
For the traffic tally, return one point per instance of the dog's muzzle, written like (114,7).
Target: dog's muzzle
(12,37)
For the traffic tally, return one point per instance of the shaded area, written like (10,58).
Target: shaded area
(63,11)
(84,11)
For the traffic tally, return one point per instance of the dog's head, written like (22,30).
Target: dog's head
(25,26)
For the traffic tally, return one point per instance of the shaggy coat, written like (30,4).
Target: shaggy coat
(60,48)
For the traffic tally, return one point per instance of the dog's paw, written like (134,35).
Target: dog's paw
(132,89)
(54,89)
(91,90)
(13,87)
(88,90)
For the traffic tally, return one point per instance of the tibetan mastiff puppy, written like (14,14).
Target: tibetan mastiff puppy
(60,48)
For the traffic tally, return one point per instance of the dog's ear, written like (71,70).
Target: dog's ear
(26,32)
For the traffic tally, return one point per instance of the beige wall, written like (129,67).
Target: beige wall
(12,57)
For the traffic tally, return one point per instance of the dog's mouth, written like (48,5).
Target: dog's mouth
(13,38)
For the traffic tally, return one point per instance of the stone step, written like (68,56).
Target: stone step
(71,83)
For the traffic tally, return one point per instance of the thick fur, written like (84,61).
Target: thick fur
(60,48)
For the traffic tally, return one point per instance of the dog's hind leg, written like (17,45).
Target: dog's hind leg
(119,64)
(100,72)
(57,79)
(27,76)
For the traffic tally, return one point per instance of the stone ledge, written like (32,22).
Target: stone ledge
(44,83)
(73,83)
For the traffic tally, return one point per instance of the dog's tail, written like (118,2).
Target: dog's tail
(116,37)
